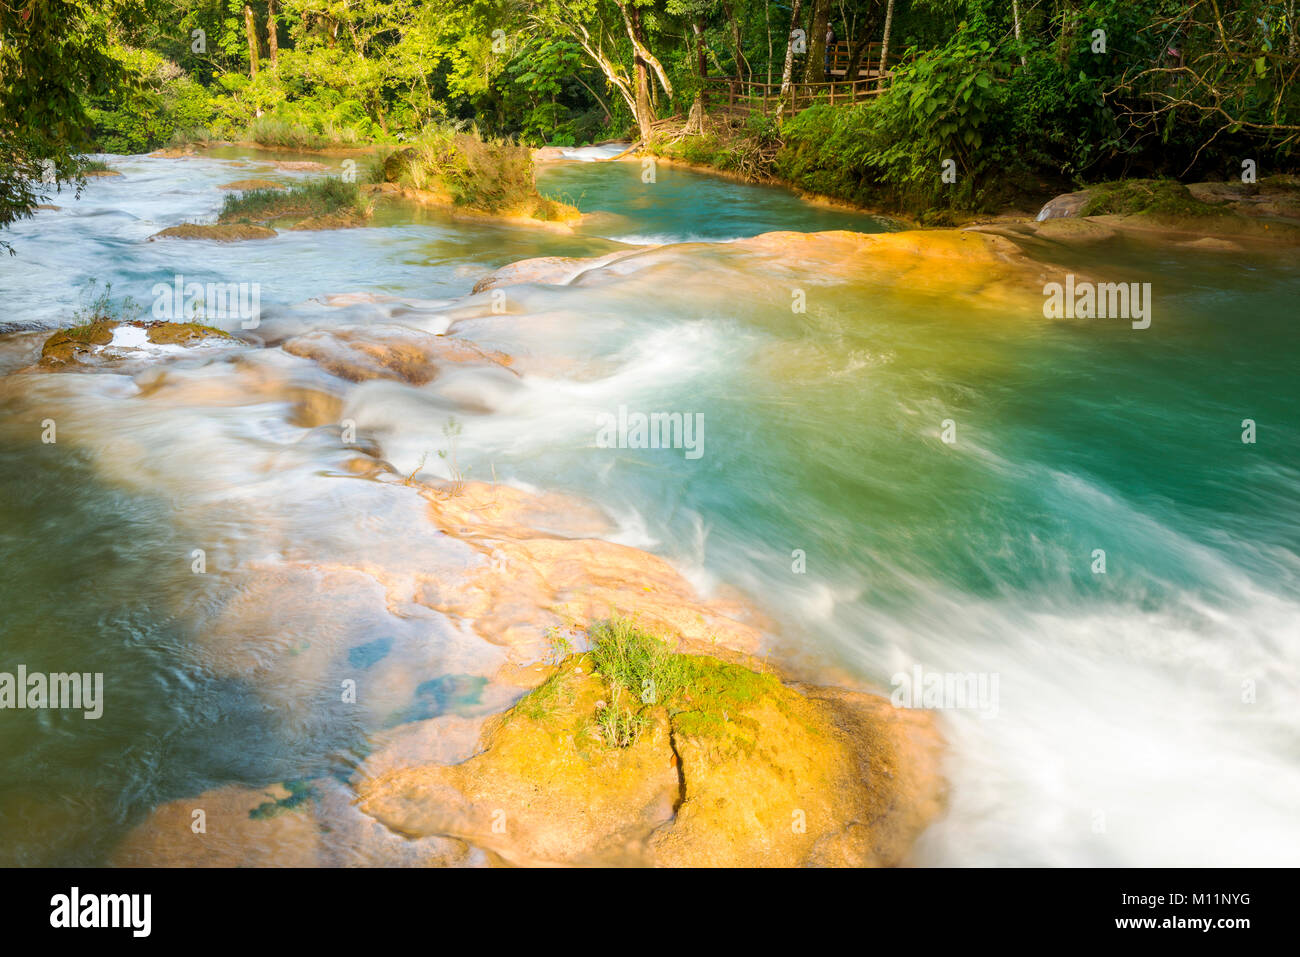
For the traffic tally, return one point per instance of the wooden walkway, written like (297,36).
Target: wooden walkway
(739,96)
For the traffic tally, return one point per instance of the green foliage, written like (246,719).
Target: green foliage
(54,58)
(945,109)
(635,660)
(98,305)
(704,696)
(1178,87)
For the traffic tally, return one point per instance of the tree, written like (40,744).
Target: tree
(815,70)
(596,28)
(787,72)
(250,28)
(54,56)
(884,44)
(272,41)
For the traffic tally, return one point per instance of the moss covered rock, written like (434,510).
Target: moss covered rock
(220,232)
(78,343)
(633,753)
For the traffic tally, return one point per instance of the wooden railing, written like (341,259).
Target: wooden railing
(740,95)
(868,66)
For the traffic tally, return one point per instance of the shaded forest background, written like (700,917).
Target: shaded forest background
(1012,92)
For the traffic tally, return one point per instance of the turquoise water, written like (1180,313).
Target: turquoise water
(1122,732)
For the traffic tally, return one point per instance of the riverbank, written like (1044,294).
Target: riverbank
(1234,207)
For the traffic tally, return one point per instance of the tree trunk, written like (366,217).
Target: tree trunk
(855,56)
(767,15)
(884,44)
(644,111)
(272,41)
(617,78)
(702,60)
(250,28)
(1015,20)
(815,69)
(635,33)
(788,69)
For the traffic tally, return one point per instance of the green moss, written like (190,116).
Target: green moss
(177,332)
(554,698)
(1158,198)
(64,345)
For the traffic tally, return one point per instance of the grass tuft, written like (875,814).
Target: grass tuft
(704,697)
(326,196)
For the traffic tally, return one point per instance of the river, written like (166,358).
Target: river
(1144,716)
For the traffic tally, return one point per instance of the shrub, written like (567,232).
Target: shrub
(492,175)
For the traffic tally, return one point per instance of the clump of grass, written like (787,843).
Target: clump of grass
(559,644)
(98,305)
(94,166)
(452,430)
(619,725)
(327,196)
(704,697)
(374,170)
(635,660)
(270,131)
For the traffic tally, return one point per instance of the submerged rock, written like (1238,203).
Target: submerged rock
(551,270)
(289,824)
(308,166)
(240,827)
(410,357)
(1067,204)
(104,340)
